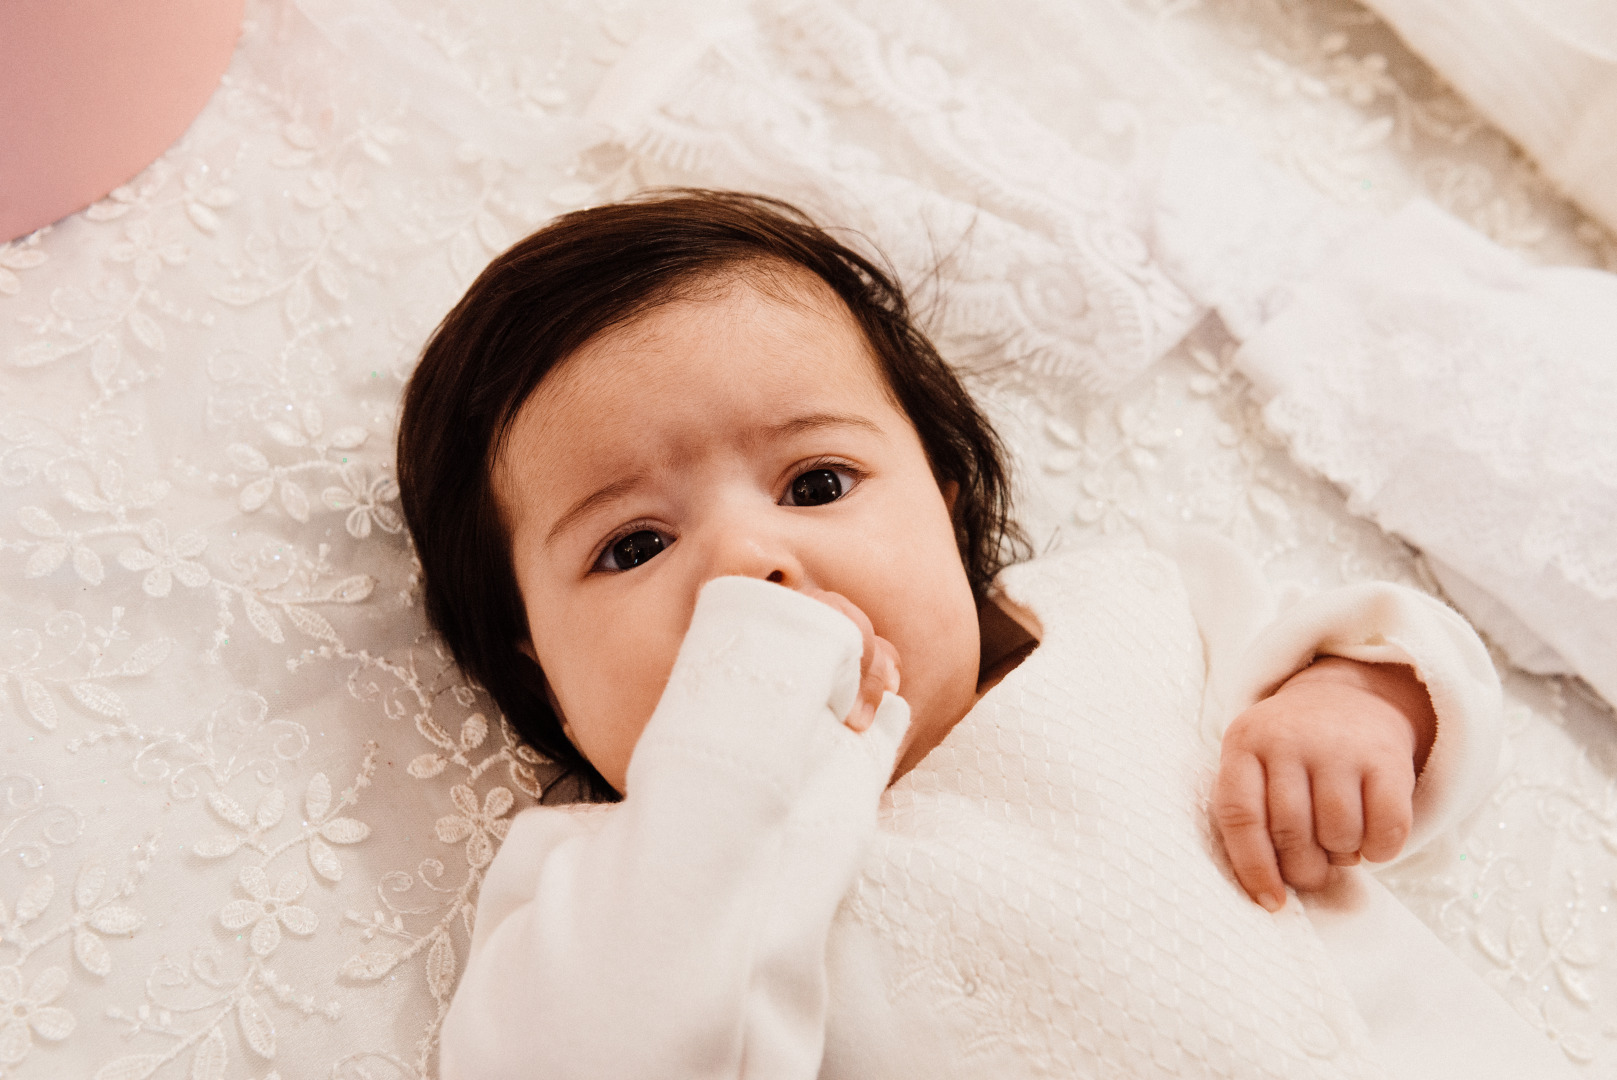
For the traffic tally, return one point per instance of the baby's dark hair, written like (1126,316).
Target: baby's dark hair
(587,272)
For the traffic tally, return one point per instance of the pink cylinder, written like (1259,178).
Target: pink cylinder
(92,91)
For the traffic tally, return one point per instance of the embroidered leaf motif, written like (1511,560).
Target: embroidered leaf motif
(473,730)
(433,732)
(240,913)
(1575,986)
(229,809)
(146,330)
(270,809)
(87,889)
(312,623)
(256,494)
(354,589)
(426,766)
(526,781)
(39,523)
(238,295)
(206,220)
(452,828)
(44,560)
(147,657)
(247,457)
(285,434)
(441,967)
(317,799)
(295,501)
(38,700)
(256,1027)
(369,965)
(116,919)
(87,564)
(92,953)
(211,1058)
(34,899)
(98,698)
(262,620)
(345,830)
(324,860)
(347,438)
(217,847)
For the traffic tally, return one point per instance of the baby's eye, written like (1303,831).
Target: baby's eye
(627,552)
(818,487)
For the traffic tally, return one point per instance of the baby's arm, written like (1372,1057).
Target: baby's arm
(681,933)
(1321,772)
(1418,719)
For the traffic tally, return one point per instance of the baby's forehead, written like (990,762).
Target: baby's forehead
(754,342)
(771,309)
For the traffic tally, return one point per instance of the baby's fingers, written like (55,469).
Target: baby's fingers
(1240,811)
(1388,814)
(1338,816)
(1291,826)
(880,674)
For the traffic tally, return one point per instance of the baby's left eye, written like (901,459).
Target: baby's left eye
(818,487)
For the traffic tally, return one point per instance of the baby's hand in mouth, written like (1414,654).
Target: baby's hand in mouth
(878,664)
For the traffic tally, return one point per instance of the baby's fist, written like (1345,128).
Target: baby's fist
(878,662)
(1321,773)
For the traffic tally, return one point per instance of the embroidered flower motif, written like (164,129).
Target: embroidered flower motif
(365,503)
(268,911)
(20,1012)
(148,251)
(1362,79)
(335,196)
(477,824)
(164,561)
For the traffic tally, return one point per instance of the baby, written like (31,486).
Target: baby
(718,528)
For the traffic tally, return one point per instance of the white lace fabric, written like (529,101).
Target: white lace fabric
(248,802)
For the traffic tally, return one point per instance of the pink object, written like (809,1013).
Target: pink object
(92,91)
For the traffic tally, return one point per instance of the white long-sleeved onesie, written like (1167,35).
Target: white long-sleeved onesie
(1041,895)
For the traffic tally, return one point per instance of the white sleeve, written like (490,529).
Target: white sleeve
(1252,648)
(681,933)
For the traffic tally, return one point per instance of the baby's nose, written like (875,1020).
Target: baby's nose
(749,554)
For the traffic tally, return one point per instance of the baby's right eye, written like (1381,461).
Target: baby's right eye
(629,551)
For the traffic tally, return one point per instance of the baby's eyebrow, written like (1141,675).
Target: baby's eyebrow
(797,425)
(616,489)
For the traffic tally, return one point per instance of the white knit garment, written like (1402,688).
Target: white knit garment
(1043,894)
(1049,883)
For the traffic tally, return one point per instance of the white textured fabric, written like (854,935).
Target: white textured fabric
(1043,894)
(1543,70)
(215,687)
(1460,395)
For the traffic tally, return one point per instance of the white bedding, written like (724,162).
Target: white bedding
(247,803)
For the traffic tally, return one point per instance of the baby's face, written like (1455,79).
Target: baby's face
(734,434)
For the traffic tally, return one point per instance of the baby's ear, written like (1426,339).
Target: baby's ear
(951,492)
